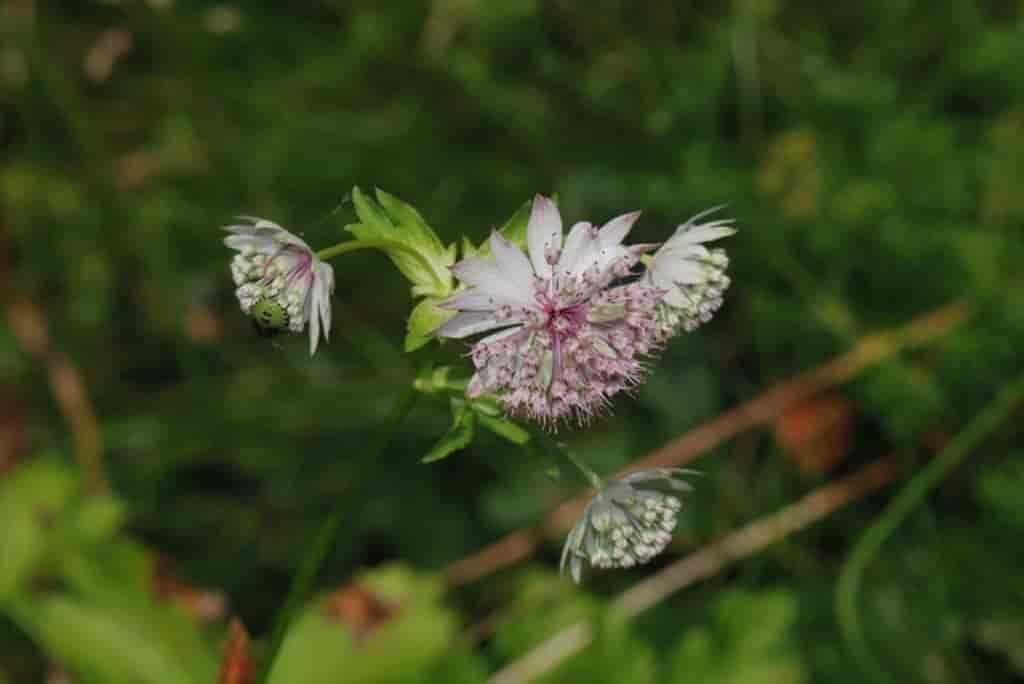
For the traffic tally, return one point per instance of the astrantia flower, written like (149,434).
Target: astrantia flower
(282,285)
(691,276)
(570,336)
(628,523)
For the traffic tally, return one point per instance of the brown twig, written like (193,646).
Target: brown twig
(760,410)
(29,326)
(68,388)
(702,564)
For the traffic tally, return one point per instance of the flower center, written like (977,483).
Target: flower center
(561,321)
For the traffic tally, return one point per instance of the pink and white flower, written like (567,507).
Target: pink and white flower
(691,276)
(571,331)
(628,522)
(281,284)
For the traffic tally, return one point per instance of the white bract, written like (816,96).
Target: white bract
(628,523)
(570,336)
(691,276)
(281,284)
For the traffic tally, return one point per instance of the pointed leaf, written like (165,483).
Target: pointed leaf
(459,436)
(418,253)
(504,428)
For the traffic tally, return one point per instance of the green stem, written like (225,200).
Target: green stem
(382,244)
(915,491)
(299,590)
(593,478)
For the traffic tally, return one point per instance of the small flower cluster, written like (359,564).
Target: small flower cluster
(626,524)
(281,284)
(573,321)
(691,275)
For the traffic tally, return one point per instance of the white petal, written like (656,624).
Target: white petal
(488,278)
(512,262)
(710,231)
(543,232)
(325,281)
(571,546)
(501,335)
(470,323)
(473,299)
(312,316)
(255,242)
(677,271)
(608,248)
(267,229)
(693,231)
(614,232)
(581,237)
(677,298)
(474,271)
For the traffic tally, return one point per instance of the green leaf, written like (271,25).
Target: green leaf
(410,639)
(98,646)
(98,518)
(459,436)
(748,641)
(418,253)
(410,220)
(543,604)
(504,428)
(424,319)
(469,250)
(31,500)
(514,229)
(999,491)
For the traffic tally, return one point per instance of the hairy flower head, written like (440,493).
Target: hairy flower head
(281,284)
(571,332)
(628,523)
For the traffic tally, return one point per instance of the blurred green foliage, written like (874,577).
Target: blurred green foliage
(872,153)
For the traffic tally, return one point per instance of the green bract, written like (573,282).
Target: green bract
(417,253)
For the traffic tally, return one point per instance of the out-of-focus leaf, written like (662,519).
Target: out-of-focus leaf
(542,606)
(1001,490)
(31,501)
(1005,637)
(409,637)
(98,518)
(458,437)
(747,641)
(118,581)
(98,647)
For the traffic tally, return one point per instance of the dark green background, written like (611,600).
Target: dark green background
(872,153)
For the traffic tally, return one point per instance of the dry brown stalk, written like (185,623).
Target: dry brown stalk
(761,410)
(67,386)
(702,564)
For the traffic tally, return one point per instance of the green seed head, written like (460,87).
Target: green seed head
(269,315)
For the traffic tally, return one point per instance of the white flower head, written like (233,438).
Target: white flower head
(628,523)
(691,276)
(281,284)
(571,331)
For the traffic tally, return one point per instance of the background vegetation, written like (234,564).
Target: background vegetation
(162,468)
